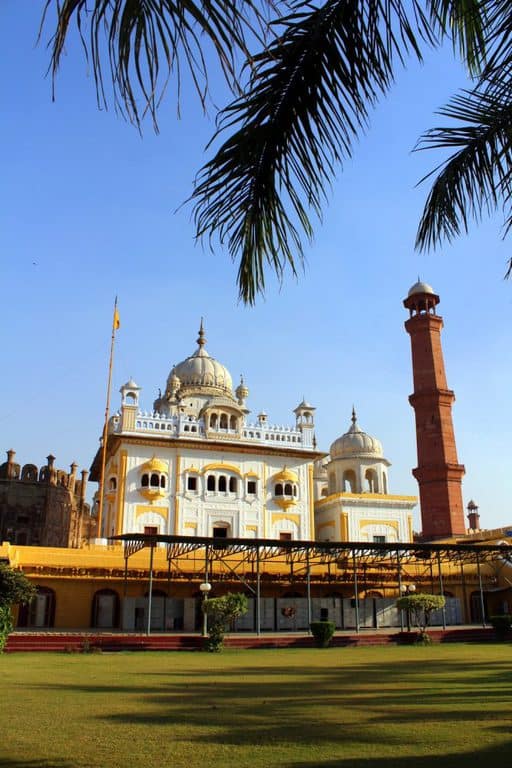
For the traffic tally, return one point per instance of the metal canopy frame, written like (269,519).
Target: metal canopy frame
(361,565)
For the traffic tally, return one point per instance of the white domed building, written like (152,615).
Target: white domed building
(353,502)
(194,465)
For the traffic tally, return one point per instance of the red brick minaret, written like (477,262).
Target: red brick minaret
(438,473)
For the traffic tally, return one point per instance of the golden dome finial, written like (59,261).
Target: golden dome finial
(201,339)
(354,417)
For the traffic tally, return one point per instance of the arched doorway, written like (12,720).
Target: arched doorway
(41,610)
(105,609)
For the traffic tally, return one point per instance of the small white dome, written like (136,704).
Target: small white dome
(355,442)
(420,287)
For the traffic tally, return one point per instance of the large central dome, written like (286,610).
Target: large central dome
(200,372)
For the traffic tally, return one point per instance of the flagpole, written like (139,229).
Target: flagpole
(115,326)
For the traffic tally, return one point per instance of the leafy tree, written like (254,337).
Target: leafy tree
(15,588)
(222,611)
(300,102)
(420,608)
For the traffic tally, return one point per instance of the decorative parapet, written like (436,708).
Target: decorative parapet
(188,428)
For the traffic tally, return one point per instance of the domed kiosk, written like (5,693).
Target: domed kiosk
(355,503)
(357,462)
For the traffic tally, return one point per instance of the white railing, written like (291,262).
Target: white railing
(190,428)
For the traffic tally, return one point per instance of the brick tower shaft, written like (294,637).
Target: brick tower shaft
(438,473)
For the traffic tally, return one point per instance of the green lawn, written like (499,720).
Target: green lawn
(442,706)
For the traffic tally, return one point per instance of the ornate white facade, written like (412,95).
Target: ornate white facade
(195,464)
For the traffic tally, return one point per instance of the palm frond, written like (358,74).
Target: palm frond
(308,99)
(498,38)
(467,24)
(142,42)
(477,177)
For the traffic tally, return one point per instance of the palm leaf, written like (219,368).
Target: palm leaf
(467,23)
(308,98)
(477,176)
(146,41)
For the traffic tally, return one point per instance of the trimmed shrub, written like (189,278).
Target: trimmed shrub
(501,623)
(322,631)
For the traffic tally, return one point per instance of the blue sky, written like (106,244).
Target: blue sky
(89,209)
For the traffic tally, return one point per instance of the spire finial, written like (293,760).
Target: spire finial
(354,417)
(201,339)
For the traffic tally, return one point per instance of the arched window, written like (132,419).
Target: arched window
(288,489)
(155,480)
(371,481)
(223,421)
(295,490)
(144,481)
(162,481)
(222,484)
(213,421)
(232,422)
(349,481)
(210,483)
(112,484)
(232,485)
(278,490)
(384,483)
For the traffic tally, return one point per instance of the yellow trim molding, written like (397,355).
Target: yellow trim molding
(252,474)
(176,498)
(251,527)
(284,503)
(265,523)
(120,496)
(225,467)
(142,509)
(311,503)
(191,526)
(344,526)
(192,469)
(376,496)
(152,494)
(391,523)
(277,517)
(328,524)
